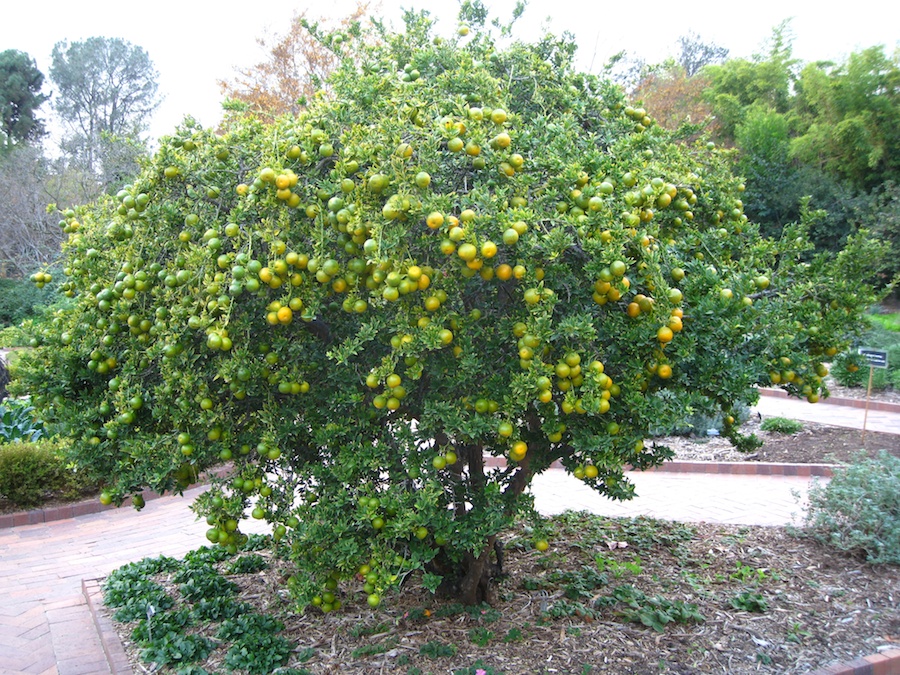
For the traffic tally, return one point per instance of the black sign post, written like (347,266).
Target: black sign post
(876,358)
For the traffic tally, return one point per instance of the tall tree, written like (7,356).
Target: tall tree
(20,98)
(694,53)
(29,235)
(295,68)
(764,80)
(849,116)
(107,90)
(675,99)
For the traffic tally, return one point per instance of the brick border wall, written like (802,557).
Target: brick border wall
(113,650)
(883,663)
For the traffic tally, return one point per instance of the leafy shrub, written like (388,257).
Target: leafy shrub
(858,510)
(19,298)
(18,422)
(781,425)
(415,267)
(29,472)
(851,370)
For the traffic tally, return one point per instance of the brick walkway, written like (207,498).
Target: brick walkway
(46,626)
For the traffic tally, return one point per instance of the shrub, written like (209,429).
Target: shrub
(464,253)
(781,425)
(19,299)
(858,510)
(851,370)
(30,471)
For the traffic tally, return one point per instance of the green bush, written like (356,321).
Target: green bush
(32,472)
(851,370)
(19,298)
(858,510)
(781,425)
(28,471)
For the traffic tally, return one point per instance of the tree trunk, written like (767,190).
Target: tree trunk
(476,586)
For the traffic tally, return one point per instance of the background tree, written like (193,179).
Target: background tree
(29,235)
(391,311)
(694,54)
(107,91)
(20,99)
(296,68)
(676,99)
(764,80)
(848,118)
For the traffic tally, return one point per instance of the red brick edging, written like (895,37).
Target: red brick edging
(113,650)
(36,516)
(883,663)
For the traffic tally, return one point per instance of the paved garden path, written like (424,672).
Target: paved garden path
(46,626)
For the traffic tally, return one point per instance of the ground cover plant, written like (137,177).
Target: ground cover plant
(458,251)
(632,596)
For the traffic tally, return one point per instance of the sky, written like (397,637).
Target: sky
(195,43)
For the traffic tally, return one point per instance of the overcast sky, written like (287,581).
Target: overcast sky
(196,43)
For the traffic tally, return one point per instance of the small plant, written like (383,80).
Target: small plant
(19,423)
(781,425)
(513,635)
(361,629)
(481,636)
(484,613)
(258,653)
(247,564)
(435,649)
(617,568)
(173,648)
(203,583)
(856,511)
(748,574)
(373,649)
(655,612)
(160,623)
(750,601)
(255,647)
(797,634)
(220,608)
(133,594)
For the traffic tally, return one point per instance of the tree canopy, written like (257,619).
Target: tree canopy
(391,311)
(107,90)
(297,67)
(20,98)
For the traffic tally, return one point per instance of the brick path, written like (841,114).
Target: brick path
(46,626)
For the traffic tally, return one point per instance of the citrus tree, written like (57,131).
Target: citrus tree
(384,316)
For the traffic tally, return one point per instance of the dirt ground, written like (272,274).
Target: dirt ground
(814,444)
(734,600)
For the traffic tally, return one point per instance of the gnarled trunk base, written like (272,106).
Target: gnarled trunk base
(472,581)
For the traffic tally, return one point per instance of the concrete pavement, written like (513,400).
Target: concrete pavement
(840,412)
